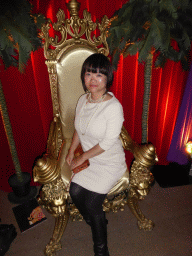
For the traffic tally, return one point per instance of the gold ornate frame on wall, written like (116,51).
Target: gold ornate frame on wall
(54,195)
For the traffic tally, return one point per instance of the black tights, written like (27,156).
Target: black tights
(90,206)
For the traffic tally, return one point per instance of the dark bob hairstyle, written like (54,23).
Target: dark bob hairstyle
(97,62)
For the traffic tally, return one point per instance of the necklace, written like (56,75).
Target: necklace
(96,101)
(96,108)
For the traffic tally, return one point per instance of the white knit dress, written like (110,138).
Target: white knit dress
(100,123)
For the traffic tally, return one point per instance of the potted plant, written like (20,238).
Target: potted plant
(147,27)
(18,37)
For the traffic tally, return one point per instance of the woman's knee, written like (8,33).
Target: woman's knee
(94,204)
(72,190)
(75,191)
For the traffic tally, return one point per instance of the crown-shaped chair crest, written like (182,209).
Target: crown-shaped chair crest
(71,32)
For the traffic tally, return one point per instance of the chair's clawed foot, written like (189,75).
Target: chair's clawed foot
(52,247)
(146,225)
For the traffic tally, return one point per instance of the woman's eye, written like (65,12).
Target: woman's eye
(99,75)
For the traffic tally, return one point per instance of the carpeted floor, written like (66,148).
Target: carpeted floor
(169,208)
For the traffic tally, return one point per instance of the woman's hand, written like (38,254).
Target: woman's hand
(77,161)
(74,144)
(69,158)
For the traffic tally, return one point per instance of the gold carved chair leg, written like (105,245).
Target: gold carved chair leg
(143,222)
(140,181)
(60,226)
(53,197)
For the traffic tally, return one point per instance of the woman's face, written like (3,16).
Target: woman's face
(95,82)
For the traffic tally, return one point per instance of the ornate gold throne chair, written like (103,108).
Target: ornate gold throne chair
(64,59)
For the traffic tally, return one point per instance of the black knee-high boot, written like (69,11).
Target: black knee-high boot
(99,233)
(90,206)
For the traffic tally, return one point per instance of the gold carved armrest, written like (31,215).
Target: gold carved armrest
(47,169)
(54,192)
(47,172)
(127,142)
(140,175)
(144,154)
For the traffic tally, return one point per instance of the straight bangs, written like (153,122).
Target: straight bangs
(96,69)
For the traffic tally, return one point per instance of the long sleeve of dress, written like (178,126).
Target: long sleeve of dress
(114,119)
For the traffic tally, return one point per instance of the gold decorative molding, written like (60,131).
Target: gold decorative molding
(52,70)
(46,170)
(117,203)
(145,155)
(53,198)
(54,244)
(74,213)
(140,181)
(127,142)
(75,28)
(55,138)
(73,7)
(140,184)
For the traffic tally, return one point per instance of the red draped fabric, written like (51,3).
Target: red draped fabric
(29,103)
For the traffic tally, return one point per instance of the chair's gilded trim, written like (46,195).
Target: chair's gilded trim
(55,138)
(75,27)
(140,184)
(53,79)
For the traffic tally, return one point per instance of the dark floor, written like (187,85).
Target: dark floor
(170,209)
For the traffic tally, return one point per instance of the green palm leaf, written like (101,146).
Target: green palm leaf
(134,48)
(18,36)
(169,7)
(148,25)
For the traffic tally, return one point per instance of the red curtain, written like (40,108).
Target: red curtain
(29,103)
